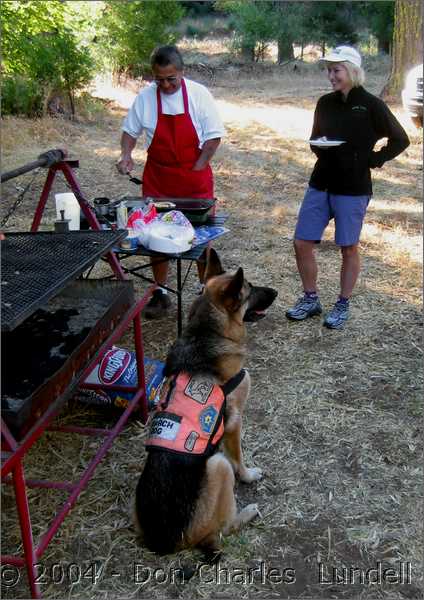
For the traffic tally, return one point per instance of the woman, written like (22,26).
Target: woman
(340,185)
(183,131)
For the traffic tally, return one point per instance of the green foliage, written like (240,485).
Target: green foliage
(254,25)
(333,23)
(21,23)
(131,30)
(194,31)
(195,8)
(41,55)
(290,26)
(257,23)
(380,19)
(21,96)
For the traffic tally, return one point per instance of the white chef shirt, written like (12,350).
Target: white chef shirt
(143,114)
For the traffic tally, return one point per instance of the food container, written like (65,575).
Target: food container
(102,205)
(130,210)
(68,203)
(131,241)
(169,238)
(197,210)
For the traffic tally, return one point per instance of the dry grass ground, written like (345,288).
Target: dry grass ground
(334,417)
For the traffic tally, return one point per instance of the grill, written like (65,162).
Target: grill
(45,356)
(35,266)
(53,326)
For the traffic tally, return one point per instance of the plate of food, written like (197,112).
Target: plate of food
(323,142)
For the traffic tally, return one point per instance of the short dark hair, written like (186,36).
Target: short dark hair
(163,56)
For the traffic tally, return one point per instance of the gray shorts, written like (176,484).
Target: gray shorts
(318,208)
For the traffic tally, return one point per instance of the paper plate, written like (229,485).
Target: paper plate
(326,143)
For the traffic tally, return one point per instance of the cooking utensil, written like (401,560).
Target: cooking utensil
(197,210)
(102,205)
(135,180)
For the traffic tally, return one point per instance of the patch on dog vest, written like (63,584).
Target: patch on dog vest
(165,426)
(208,418)
(189,416)
(199,389)
(191,440)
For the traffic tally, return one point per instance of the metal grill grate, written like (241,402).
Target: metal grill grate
(35,266)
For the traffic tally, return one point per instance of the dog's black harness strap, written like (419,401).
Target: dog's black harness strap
(230,385)
(168,395)
(211,447)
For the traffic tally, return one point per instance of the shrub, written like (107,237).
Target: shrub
(21,96)
(41,55)
(129,31)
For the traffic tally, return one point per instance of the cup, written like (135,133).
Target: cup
(70,205)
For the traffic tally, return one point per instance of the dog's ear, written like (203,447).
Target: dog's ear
(232,295)
(213,264)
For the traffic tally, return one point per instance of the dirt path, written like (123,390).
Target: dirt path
(333,417)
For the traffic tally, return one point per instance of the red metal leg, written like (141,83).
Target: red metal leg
(139,353)
(43,199)
(90,216)
(81,484)
(26,529)
(85,207)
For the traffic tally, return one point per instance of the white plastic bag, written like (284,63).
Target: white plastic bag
(170,233)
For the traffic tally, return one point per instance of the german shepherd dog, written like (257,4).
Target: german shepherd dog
(183,501)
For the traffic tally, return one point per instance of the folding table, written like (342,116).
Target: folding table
(191,255)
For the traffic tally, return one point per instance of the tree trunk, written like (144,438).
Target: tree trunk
(407,44)
(248,53)
(383,46)
(72,104)
(285,50)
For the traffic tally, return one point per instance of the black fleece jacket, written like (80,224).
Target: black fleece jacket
(361,120)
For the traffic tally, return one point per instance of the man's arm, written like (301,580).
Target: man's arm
(126,164)
(208,150)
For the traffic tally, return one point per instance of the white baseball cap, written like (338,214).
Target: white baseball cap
(344,54)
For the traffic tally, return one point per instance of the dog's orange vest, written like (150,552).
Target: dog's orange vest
(189,416)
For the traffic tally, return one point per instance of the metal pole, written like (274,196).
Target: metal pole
(47,159)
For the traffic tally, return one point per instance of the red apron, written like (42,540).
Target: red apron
(171,156)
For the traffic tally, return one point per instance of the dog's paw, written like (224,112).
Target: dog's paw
(252,474)
(250,512)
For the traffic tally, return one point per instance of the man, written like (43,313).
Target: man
(183,131)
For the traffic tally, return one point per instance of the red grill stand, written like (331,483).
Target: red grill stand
(14,451)
(65,167)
